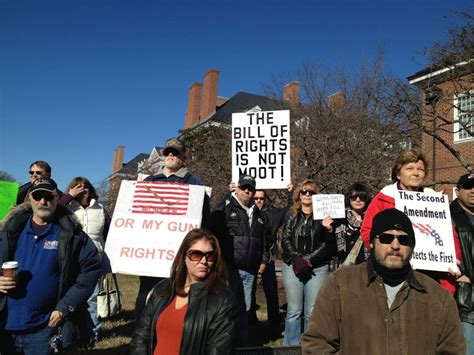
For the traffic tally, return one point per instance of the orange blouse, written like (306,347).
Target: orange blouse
(169,329)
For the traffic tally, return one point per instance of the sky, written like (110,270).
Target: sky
(78,78)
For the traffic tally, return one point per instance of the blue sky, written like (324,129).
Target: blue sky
(78,78)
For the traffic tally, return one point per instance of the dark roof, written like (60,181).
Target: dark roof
(243,101)
(132,165)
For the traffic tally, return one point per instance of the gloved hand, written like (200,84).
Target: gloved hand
(302,266)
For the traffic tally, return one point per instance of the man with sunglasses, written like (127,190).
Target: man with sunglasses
(382,306)
(173,170)
(244,236)
(462,213)
(58,269)
(37,170)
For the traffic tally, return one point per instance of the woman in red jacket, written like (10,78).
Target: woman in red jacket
(408,173)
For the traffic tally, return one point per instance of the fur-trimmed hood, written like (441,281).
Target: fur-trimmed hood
(25,208)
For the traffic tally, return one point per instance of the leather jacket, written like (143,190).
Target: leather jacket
(464,292)
(322,243)
(210,324)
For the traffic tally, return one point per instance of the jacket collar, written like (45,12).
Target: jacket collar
(411,280)
(181,173)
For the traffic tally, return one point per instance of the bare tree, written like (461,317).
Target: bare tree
(4,176)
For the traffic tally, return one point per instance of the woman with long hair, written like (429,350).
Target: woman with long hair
(83,200)
(192,312)
(308,246)
(350,248)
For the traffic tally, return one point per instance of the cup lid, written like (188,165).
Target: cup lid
(10,265)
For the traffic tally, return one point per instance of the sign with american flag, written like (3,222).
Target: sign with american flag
(431,220)
(149,222)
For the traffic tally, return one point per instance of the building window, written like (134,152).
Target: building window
(464,117)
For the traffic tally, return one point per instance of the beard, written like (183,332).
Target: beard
(392,260)
(44,212)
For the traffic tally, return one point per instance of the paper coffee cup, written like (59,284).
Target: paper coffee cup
(10,269)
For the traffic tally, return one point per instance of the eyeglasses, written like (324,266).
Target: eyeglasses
(39,195)
(197,255)
(247,187)
(32,172)
(259,198)
(362,197)
(307,192)
(387,238)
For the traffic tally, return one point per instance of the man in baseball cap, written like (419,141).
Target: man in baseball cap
(383,306)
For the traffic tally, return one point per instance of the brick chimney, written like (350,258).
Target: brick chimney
(209,93)
(194,105)
(118,159)
(337,101)
(291,92)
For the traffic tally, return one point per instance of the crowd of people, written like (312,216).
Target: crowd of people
(349,285)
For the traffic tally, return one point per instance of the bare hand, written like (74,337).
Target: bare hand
(76,190)
(290,187)
(262,267)
(232,186)
(327,223)
(7,284)
(55,319)
(457,274)
(464,279)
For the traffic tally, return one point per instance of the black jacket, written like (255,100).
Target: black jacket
(464,292)
(243,246)
(322,245)
(210,324)
(79,265)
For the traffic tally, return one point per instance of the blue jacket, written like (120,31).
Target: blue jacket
(79,264)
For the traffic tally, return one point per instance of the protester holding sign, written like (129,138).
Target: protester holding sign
(173,170)
(408,173)
(82,199)
(192,312)
(308,246)
(350,248)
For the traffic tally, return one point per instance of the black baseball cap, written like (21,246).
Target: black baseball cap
(466,181)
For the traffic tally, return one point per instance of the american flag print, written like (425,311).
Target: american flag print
(164,198)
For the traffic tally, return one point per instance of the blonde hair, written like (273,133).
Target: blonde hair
(296,195)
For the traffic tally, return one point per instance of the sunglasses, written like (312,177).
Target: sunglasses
(307,192)
(173,151)
(387,238)
(197,255)
(362,197)
(259,198)
(39,195)
(247,187)
(32,172)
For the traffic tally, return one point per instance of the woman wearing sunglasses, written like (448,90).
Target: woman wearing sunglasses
(350,248)
(192,312)
(408,173)
(308,246)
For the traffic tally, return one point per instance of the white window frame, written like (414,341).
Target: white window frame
(457,127)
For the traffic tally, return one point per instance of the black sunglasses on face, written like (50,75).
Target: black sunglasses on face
(362,197)
(307,192)
(39,195)
(387,238)
(32,172)
(197,255)
(247,187)
(259,198)
(173,151)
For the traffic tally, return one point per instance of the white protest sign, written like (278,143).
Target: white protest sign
(431,219)
(328,205)
(261,148)
(149,223)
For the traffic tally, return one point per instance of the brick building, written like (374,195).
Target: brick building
(448,111)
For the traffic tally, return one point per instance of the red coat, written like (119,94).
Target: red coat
(384,200)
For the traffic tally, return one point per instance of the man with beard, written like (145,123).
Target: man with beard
(173,170)
(58,269)
(383,306)
(462,213)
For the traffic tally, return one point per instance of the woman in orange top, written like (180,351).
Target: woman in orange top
(192,312)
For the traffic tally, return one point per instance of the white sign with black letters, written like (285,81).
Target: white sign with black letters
(261,147)
(328,205)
